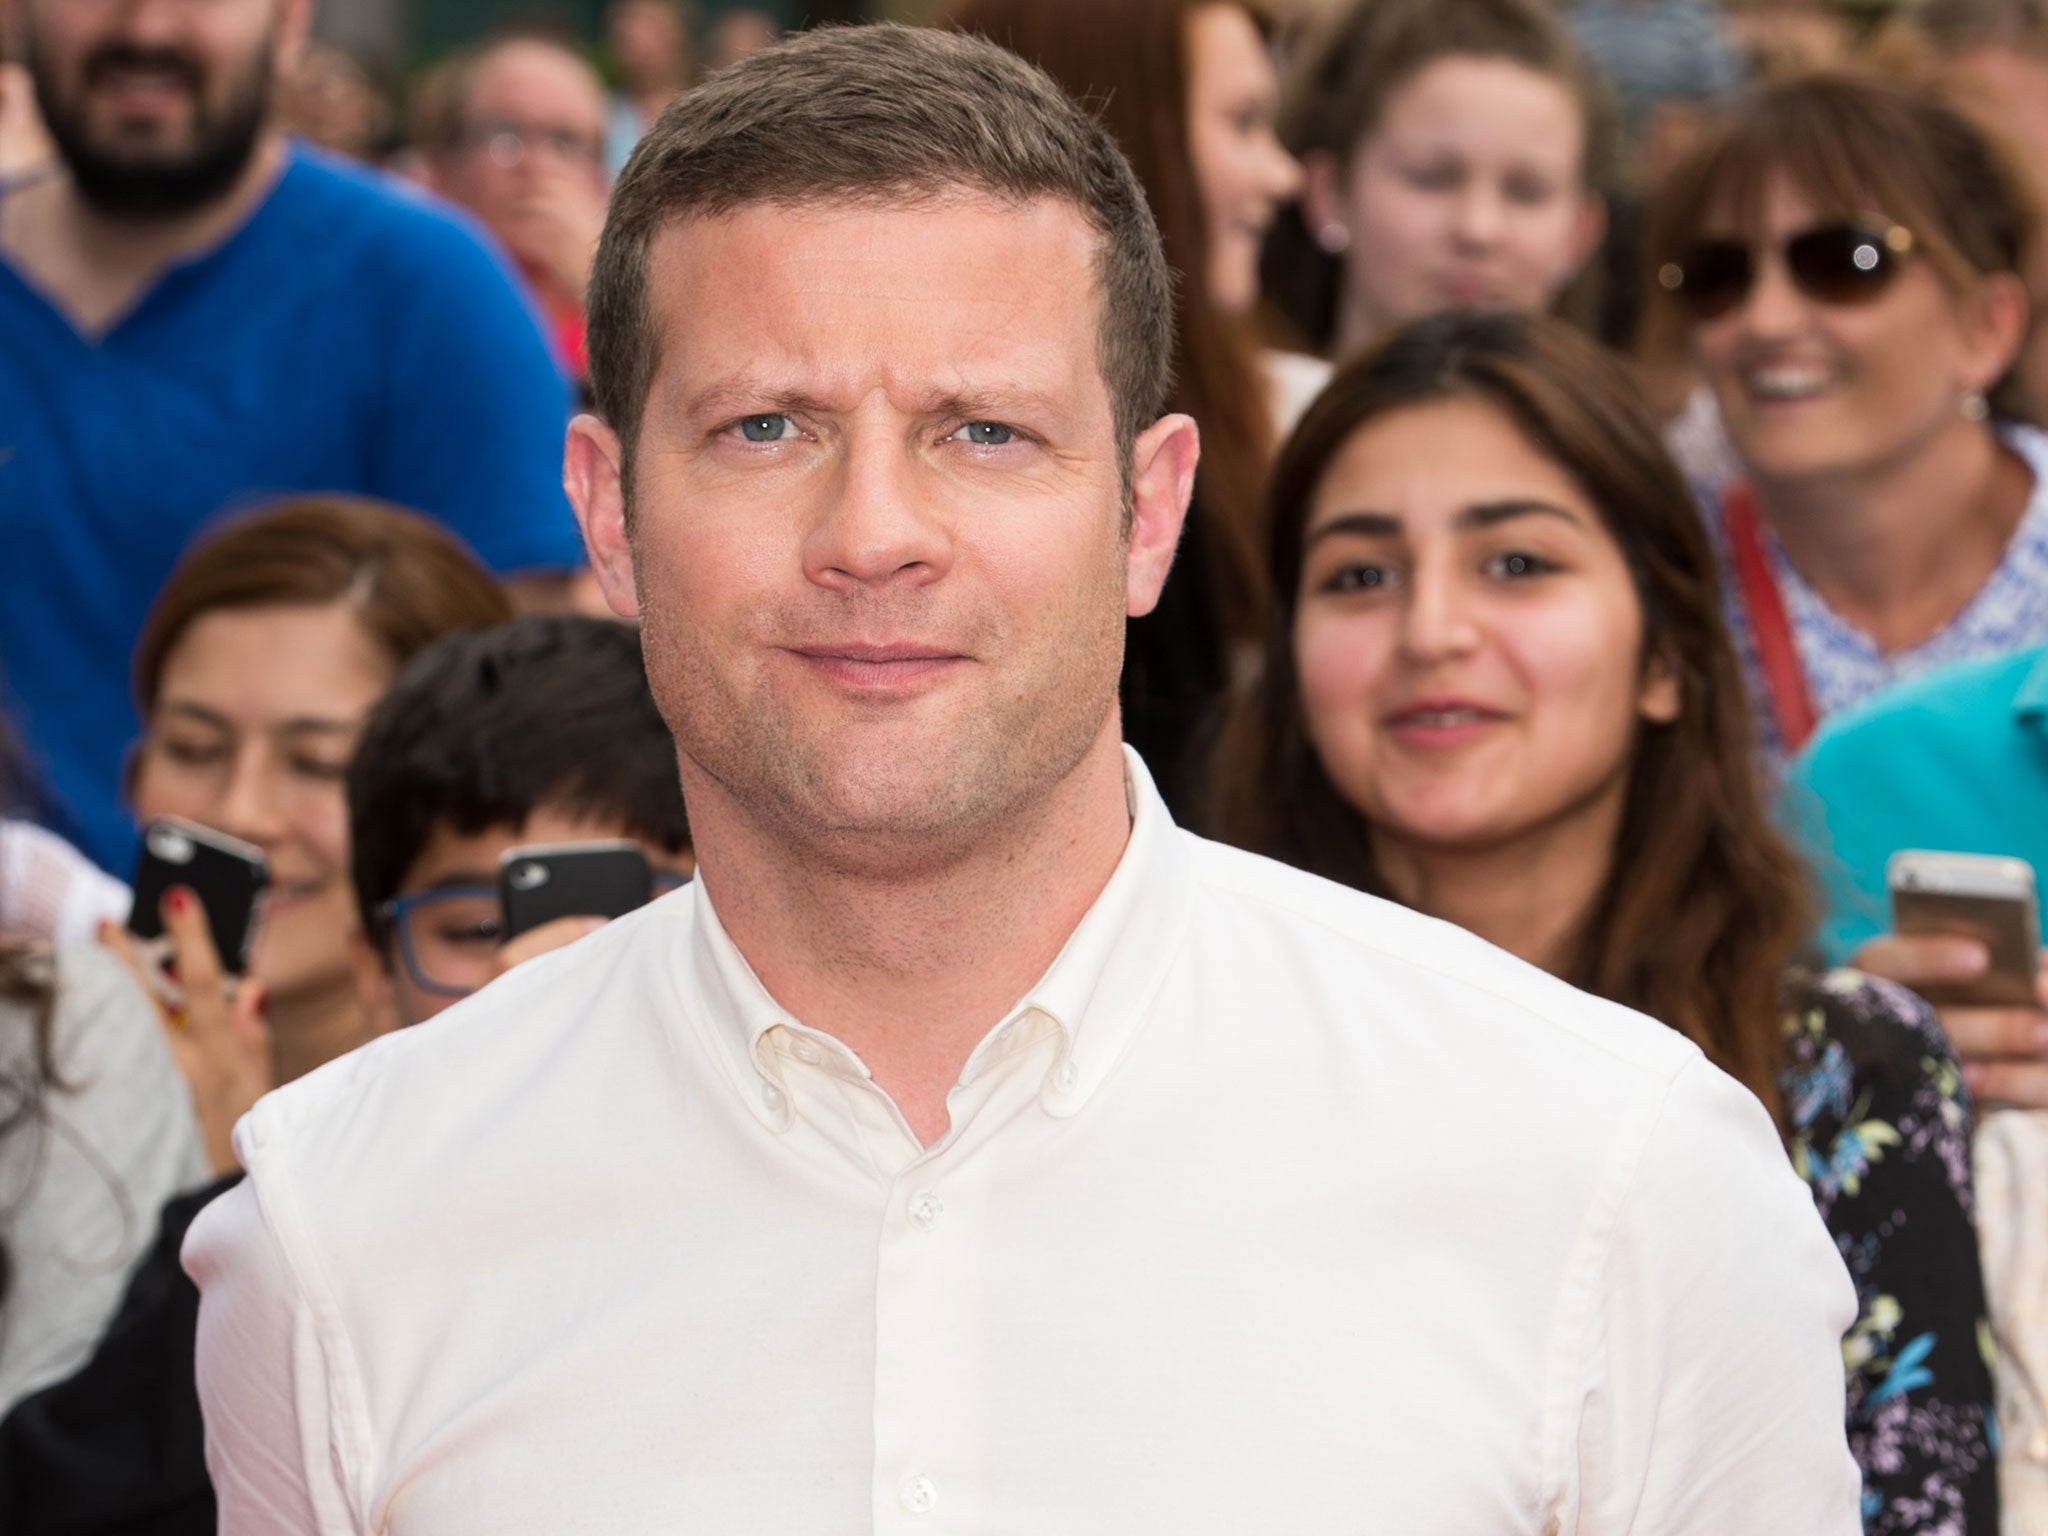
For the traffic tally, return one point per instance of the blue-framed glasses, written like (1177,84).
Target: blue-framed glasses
(448,937)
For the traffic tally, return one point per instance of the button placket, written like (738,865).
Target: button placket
(928,1348)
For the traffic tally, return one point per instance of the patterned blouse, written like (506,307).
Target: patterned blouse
(1880,1131)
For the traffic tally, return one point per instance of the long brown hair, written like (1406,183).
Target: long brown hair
(408,580)
(1856,143)
(1704,907)
(1349,72)
(1127,61)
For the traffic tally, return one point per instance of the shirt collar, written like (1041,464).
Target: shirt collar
(1095,992)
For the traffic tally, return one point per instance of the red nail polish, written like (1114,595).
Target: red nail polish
(178,899)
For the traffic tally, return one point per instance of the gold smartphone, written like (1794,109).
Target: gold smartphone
(1979,896)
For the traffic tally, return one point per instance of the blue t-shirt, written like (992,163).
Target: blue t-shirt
(1955,761)
(351,336)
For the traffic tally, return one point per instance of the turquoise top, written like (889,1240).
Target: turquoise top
(1956,761)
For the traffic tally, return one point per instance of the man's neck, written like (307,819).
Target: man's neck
(910,965)
(1899,550)
(96,267)
(1530,895)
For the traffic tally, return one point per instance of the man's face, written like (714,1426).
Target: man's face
(156,105)
(535,116)
(877,537)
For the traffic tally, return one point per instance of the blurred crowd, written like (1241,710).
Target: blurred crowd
(1621,530)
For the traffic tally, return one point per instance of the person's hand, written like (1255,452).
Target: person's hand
(215,1026)
(538,941)
(2004,1051)
(554,227)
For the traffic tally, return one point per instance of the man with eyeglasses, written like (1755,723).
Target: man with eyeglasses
(198,314)
(519,141)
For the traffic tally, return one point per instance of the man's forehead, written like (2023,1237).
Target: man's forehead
(963,280)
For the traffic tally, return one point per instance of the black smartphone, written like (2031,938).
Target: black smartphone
(540,883)
(225,873)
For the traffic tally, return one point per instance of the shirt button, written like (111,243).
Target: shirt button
(918,1493)
(772,1096)
(1065,1075)
(925,1210)
(805,1052)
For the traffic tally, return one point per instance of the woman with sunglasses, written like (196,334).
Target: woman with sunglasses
(1845,254)
(1498,690)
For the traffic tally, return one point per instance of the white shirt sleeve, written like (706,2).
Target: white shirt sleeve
(265,1378)
(1713,1393)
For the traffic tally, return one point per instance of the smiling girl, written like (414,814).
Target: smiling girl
(1499,690)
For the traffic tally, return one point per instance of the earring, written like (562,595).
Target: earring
(1975,406)
(1333,238)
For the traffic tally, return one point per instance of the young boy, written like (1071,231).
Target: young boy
(538,731)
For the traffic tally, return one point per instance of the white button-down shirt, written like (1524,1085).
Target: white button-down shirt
(1271,1207)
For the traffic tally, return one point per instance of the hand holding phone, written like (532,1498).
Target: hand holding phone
(225,873)
(1971,896)
(1966,934)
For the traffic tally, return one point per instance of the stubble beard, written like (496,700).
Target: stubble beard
(889,803)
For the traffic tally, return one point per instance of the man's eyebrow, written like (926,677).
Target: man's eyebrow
(740,397)
(1483,514)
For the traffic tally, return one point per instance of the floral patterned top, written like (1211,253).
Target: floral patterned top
(1880,1131)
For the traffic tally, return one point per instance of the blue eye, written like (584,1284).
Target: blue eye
(988,434)
(764,429)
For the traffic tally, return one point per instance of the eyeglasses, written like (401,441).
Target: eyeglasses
(1851,262)
(448,937)
(508,144)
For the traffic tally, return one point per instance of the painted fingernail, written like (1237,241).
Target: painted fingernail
(178,899)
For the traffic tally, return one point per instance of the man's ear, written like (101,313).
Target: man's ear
(374,990)
(1162,480)
(592,475)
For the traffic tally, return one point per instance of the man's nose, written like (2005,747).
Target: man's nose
(882,524)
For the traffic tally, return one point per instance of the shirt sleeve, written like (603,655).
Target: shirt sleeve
(274,1446)
(1712,1390)
(474,406)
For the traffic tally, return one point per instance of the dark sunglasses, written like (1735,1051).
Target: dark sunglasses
(1847,263)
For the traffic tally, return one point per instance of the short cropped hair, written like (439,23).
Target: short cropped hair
(891,116)
(480,731)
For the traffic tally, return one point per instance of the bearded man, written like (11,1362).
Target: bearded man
(197,315)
